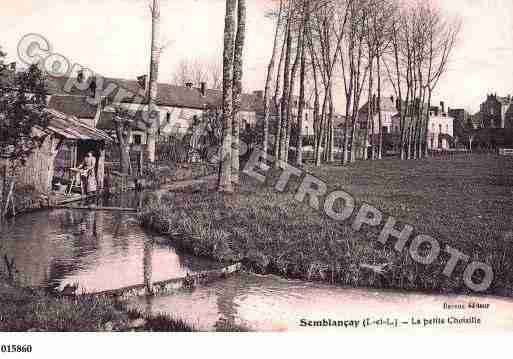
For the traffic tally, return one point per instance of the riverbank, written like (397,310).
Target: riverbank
(30,310)
(464,201)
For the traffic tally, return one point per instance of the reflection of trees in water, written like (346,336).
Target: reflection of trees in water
(226,303)
(87,231)
(148,266)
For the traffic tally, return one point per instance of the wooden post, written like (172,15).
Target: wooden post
(4,186)
(141,161)
(100,173)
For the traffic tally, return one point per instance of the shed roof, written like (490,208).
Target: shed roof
(71,128)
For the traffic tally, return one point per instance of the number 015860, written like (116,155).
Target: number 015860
(16,348)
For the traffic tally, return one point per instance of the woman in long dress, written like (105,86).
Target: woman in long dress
(89,175)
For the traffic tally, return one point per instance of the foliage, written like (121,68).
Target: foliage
(22,107)
(272,233)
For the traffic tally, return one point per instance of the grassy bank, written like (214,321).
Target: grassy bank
(464,201)
(29,310)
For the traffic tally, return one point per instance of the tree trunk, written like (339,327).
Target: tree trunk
(225,167)
(330,126)
(293,74)
(370,109)
(426,128)
(285,97)
(380,115)
(315,120)
(270,71)
(152,128)
(277,101)
(302,75)
(124,151)
(237,86)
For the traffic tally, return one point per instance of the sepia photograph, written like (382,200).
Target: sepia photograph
(312,166)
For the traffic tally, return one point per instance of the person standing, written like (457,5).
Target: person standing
(88,177)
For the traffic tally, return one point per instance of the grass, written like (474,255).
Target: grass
(30,310)
(462,200)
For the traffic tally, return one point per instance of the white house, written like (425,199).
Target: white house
(440,128)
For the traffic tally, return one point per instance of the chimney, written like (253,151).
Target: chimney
(188,85)
(142,81)
(203,88)
(442,107)
(80,76)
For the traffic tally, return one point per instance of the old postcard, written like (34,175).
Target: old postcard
(316,166)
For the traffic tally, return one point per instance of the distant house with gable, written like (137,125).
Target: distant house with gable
(440,127)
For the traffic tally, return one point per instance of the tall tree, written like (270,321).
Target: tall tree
(302,76)
(154,118)
(237,86)
(225,165)
(23,114)
(123,121)
(270,72)
(285,94)
(442,36)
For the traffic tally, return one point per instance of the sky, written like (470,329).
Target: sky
(112,37)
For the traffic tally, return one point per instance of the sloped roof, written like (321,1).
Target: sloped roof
(386,105)
(77,106)
(168,95)
(71,128)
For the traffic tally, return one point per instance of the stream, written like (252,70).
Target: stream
(101,250)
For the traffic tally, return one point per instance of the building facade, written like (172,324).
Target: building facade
(496,112)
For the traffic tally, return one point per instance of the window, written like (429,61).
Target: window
(384,129)
(137,139)
(168,117)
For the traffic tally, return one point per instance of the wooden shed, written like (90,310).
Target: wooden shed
(63,132)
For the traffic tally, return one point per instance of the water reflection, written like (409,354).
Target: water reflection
(96,249)
(268,303)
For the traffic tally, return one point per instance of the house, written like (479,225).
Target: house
(388,108)
(496,112)
(462,122)
(96,98)
(440,127)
